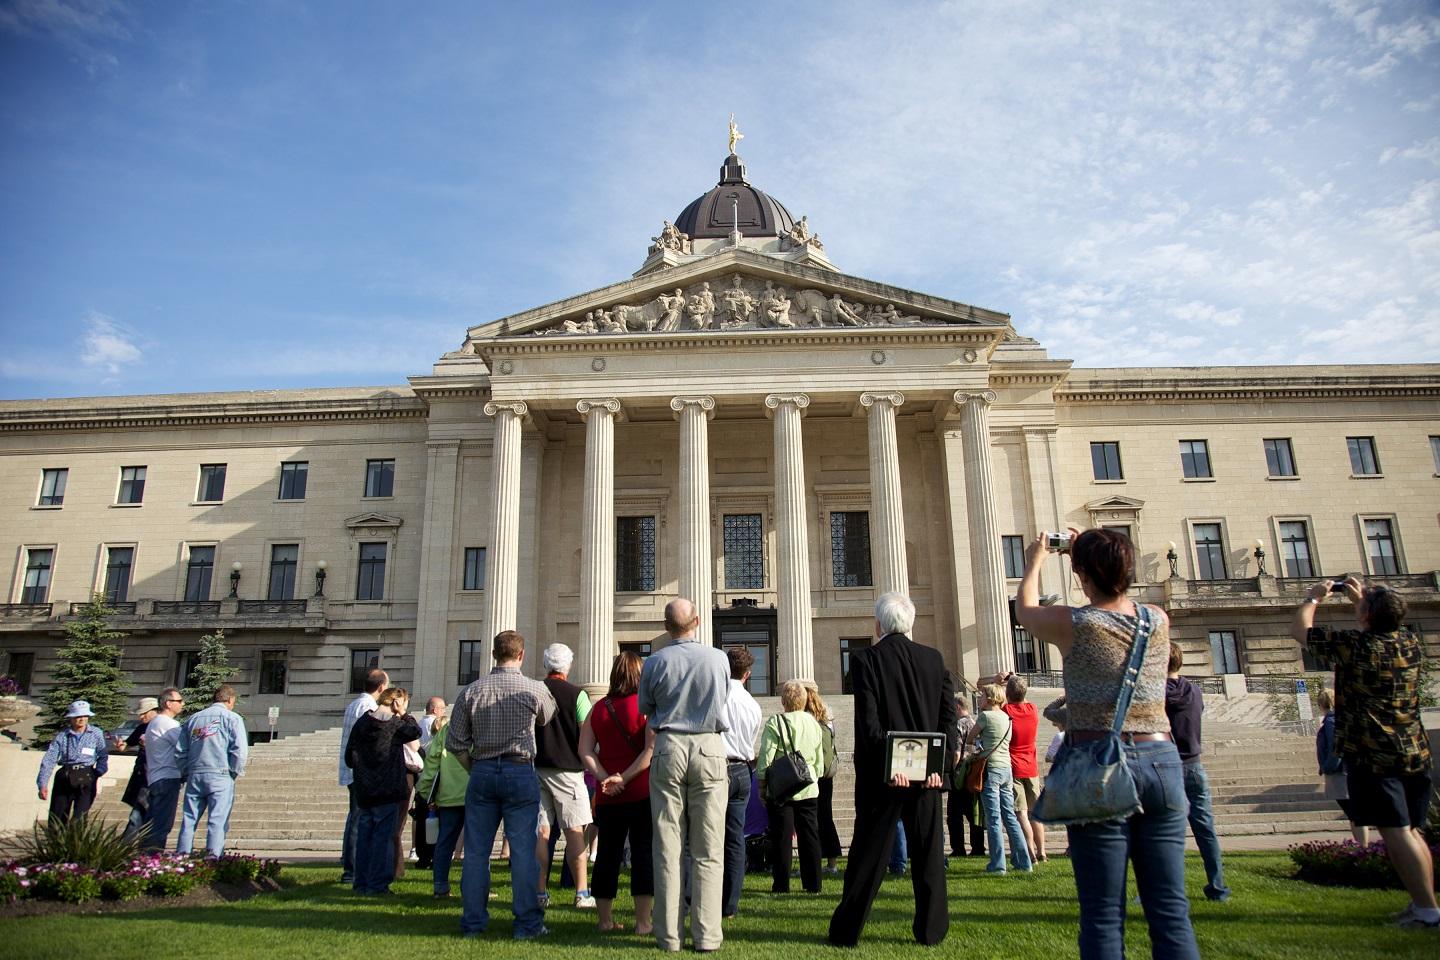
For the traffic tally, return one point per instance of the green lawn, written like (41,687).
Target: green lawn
(1032,917)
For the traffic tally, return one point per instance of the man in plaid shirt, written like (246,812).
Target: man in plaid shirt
(492,734)
(1377,728)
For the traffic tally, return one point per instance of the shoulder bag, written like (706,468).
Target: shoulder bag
(1090,782)
(788,773)
(971,773)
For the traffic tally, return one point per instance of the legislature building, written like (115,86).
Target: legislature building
(739,422)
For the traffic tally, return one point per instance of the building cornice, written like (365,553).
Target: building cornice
(1258,383)
(980,336)
(189,410)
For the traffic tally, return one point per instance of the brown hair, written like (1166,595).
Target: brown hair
(815,706)
(223,694)
(1107,558)
(1325,699)
(1015,688)
(376,680)
(509,646)
(625,674)
(741,660)
(392,694)
(1385,607)
(1177,657)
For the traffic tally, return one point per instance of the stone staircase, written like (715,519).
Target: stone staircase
(1264,782)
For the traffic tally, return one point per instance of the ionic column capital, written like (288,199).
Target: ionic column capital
(774,401)
(607,404)
(517,407)
(869,398)
(982,398)
(706,404)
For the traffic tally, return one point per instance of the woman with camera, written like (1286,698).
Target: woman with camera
(1096,641)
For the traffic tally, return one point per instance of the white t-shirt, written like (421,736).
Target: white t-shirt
(1052,751)
(162,736)
(742,718)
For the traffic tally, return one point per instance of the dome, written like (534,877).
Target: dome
(715,214)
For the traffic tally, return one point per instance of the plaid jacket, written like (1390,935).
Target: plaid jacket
(1377,698)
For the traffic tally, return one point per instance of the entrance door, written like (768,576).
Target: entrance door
(755,630)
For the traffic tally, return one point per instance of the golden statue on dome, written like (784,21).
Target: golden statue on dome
(735,135)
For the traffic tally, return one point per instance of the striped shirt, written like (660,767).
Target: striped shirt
(69,748)
(496,716)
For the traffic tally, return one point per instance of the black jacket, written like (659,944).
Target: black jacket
(899,685)
(376,754)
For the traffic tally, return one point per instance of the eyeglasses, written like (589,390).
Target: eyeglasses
(174,700)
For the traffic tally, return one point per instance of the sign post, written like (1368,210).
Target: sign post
(1302,702)
(274,717)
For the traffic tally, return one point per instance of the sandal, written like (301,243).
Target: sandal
(615,927)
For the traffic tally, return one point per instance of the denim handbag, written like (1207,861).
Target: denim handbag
(1090,782)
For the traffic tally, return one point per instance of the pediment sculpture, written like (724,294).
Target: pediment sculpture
(800,237)
(742,304)
(670,239)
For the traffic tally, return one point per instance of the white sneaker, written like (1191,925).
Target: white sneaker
(583,900)
(544,899)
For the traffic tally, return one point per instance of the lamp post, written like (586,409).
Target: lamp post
(1173,557)
(1260,556)
(320,578)
(235,580)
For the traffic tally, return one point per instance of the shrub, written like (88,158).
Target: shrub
(212,669)
(237,868)
(14,882)
(89,669)
(121,885)
(9,686)
(1345,863)
(67,882)
(85,840)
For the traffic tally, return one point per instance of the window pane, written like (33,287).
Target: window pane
(37,576)
(379,478)
(132,485)
(361,663)
(1381,540)
(470,659)
(52,487)
(274,665)
(117,573)
(1435,452)
(1224,651)
(1195,458)
(635,554)
(847,646)
(744,551)
(1013,550)
(284,558)
(212,483)
(1105,460)
(474,569)
(1363,460)
(371,581)
(1295,549)
(1209,551)
(197,573)
(850,549)
(293,477)
(1279,458)
(186,663)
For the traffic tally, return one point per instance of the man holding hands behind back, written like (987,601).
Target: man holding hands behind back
(899,685)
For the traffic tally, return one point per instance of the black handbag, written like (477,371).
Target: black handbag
(788,773)
(80,776)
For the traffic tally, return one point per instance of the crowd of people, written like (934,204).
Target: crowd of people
(664,770)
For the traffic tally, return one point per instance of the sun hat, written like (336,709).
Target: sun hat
(147,704)
(80,708)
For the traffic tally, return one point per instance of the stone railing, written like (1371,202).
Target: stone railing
(1221,588)
(186,608)
(25,611)
(270,608)
(126,608)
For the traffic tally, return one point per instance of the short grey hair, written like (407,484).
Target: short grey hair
(895,613)
(558,658)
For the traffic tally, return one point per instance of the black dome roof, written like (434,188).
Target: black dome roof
(714,214)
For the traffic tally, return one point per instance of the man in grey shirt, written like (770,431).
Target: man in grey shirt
(683,689)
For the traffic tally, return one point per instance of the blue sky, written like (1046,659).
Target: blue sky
(224,195)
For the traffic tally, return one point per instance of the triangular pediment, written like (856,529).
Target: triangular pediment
(735,291)
(373,520)
(1115,504)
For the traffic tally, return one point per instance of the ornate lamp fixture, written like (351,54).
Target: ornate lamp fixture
(320,578)
(1260,556)
(1173,557)
(235,580)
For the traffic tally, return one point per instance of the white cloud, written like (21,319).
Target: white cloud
(107,344)
(86,28)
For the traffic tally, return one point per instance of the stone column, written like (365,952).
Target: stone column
(696,579)
(992,613)
(887,536)
(502,557)
(597,548)
(437,549)
(792,563)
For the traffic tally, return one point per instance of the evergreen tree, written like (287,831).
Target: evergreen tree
(213,669)
(89,669)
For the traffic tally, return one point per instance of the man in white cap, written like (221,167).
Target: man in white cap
(137,790)
(564,801)
(80,752)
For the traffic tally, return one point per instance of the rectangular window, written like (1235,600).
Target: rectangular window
(1435,452)
(361,663)
(474,569)
(1105,460)
(1380,544)
(37,576)
(635,554)
(1119,528)
(293,476)
(371,581)
(52,487)
(274,667)
(186,663)
(118,561)
(1012,548)
(849,645)
(1029,655)
(132,485)
(744,551)
(284,559)
(1295,548)
(472,655)
(1363,460)
(641,649)
(212,483)
(379,478)
(1195,459)
(22,670)
(850,549)
(1209,551)
(1279,457)
(1225,651)
(198,570)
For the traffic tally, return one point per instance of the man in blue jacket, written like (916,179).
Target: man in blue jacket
(211,754)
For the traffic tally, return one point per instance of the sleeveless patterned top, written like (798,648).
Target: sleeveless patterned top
(1096,662)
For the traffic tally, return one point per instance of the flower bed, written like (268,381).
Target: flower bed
(1345,863)
(158,874)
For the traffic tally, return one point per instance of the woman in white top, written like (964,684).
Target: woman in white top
(998,796)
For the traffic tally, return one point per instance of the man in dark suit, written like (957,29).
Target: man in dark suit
(899,685)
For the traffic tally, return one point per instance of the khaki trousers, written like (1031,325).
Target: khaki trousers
(689,787)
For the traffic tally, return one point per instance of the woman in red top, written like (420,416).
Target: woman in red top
(615,746)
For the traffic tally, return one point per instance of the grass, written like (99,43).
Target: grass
(1034,916)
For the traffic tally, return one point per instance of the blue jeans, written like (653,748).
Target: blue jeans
(1154,841)
(998,799)
(452,821)
(500,790)
(1202,824)
(899,850)
(212,793)
(375,848)
(735,808)
(164,796)
(347,845)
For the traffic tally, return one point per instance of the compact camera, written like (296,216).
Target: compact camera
(1338,586)
(1059,542)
